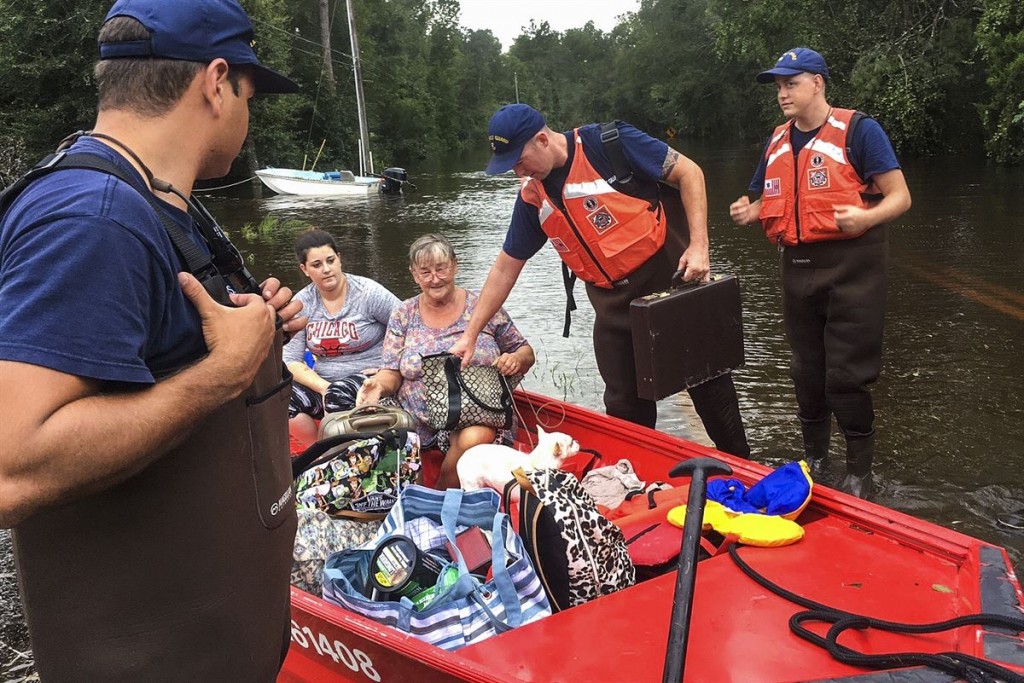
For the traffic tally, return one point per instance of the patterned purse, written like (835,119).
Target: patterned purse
(457,398)
(358,475)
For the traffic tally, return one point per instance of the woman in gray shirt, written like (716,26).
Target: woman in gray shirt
(348,316)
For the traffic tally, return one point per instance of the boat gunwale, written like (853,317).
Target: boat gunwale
(962,551)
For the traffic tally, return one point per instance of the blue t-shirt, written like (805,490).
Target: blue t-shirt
(88,278)
(871,152)
(645,154)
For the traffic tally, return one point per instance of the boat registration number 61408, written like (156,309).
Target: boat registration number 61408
(357,660)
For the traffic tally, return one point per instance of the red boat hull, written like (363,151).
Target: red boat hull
(855,556)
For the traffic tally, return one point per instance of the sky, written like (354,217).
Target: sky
(506,18)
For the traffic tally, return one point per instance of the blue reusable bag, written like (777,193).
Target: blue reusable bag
(466,612)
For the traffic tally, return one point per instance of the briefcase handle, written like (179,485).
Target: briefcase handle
(678,283)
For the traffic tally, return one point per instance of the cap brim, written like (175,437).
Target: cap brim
(500,163)
(769,76)
(269,82)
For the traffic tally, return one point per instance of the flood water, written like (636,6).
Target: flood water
(950,401)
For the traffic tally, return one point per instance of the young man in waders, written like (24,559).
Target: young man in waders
(829,183)
(144,463)
(568,188)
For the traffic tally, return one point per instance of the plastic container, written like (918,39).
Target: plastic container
(398,568)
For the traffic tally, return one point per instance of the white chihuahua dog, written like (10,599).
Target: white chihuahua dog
(491,466)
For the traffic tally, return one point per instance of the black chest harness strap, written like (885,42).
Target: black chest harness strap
(623,181)
(223,272)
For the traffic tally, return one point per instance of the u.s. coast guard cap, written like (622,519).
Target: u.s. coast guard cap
(796,61)
(195,31)
(510,129)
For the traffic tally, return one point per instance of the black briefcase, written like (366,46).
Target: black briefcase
(686,336)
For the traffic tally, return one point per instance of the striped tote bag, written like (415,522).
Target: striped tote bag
(467,611)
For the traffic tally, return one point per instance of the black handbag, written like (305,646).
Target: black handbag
(457,398)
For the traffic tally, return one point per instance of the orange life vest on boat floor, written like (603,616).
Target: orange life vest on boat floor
(801,192)
(602,235)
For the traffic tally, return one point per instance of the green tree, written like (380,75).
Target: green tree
(1001,38)
(47,51)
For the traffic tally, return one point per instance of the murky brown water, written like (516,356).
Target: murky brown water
(950,402)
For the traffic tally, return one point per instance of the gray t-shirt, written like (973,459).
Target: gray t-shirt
(349,341)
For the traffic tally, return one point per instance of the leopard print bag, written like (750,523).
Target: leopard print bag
(579,555)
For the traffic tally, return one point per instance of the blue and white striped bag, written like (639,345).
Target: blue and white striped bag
(468,611)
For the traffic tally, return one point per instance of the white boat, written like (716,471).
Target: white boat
(317,183)
(340,183)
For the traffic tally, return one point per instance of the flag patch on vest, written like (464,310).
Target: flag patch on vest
(602,220)
(817,178)
(558,245)
(772,187)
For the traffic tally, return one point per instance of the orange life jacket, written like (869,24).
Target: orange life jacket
(800,193)
(603,235)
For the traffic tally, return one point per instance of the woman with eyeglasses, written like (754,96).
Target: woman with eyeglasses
(431,323)
(348,316)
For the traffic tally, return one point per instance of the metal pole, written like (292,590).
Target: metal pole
(686,575)
(357,71)
(515,77)
(317,156)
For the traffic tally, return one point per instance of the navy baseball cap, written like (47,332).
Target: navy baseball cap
(195,31)
(510,129)
(796,61)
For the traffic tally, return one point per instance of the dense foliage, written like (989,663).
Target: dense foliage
(942,75)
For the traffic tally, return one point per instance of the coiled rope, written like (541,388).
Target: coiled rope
(968,667)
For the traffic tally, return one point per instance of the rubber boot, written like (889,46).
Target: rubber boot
(860,450)
(817,437)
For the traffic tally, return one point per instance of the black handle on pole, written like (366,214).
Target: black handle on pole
(699,470)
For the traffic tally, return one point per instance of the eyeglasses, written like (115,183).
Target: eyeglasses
(440,272)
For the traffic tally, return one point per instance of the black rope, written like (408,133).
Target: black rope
(972,669)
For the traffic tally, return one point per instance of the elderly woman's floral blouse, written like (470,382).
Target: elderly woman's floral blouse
(409,339)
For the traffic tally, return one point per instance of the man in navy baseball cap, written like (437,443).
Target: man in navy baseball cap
(827,185)
(198,489)
(796,61)
(195,31)
(510,129)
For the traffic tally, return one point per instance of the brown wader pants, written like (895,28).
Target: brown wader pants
(715,401)
(834,309)
(179,573)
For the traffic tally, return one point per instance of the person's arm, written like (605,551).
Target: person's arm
(681,171)
(744,212)
(499,283)
(388,378)
(895,202)
(62,438)
(385,382)
(307,376)
(517,362)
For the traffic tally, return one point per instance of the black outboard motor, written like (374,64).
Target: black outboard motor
(393,179)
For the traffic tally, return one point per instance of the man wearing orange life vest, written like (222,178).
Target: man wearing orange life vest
(829,183)
(617,243)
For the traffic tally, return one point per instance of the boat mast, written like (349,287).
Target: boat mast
(364,133)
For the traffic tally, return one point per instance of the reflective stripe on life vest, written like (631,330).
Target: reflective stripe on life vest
(603,235)
(801,193)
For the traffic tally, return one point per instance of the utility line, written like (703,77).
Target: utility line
(298,36)
(347,62)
